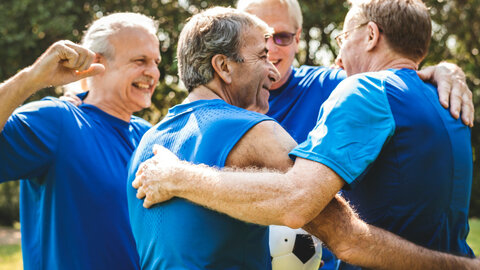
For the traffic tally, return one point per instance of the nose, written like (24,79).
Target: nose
(152,70)
(273,73)
(271,46)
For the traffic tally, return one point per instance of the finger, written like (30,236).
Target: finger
(141,193)
(85,56)
(67,56)
(426,74)
(141,168)
(455,103)
(147,203)
(468,109)
(138,182)
(444,89)
(93,70)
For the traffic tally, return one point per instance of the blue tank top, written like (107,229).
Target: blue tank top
(179,234)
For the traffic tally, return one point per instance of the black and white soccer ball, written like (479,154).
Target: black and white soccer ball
(294,249)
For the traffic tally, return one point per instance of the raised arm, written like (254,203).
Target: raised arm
(62,63)
(452,89)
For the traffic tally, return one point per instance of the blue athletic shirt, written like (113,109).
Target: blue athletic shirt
(178,234)
(73,207)
(407,162)
(295,105)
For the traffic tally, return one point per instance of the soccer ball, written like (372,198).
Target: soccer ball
(294,249)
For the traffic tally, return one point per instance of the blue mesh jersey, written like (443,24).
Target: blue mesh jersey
(407,162)
(73,206)
(295,105)
(178,234)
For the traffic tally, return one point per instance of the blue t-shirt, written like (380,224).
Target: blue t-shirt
(178,234)
(73,207)
(295,105)
(407,162)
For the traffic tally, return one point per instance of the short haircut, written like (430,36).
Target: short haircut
(96,38)
(293,7)
(214,31)
(406,24)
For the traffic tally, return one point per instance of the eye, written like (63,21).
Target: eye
(139,61)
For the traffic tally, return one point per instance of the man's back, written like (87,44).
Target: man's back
(419,185)
(180,234)
(73,208)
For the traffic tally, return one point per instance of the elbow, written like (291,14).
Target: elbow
(294,221)
(297,218)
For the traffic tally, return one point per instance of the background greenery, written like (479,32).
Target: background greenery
(28,27)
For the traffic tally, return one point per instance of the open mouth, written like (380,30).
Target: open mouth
(142,85)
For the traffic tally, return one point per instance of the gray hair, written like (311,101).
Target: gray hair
(406,24)
(293,7)
(214,31)
(96,38)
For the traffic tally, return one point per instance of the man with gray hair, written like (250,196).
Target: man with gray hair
(371,137)
(73,159)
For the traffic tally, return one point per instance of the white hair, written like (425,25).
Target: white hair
(293,7)
(97,35)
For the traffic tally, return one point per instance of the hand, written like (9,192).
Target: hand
(72,98)
(156,176)
(452,89)
(64,62)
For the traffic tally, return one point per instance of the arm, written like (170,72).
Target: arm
(259,196)
(337,225)
(358,243)
(452,89)
(63,62)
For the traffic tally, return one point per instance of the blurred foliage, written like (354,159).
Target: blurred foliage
(28,27)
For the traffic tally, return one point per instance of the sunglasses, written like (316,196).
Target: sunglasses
(283,38)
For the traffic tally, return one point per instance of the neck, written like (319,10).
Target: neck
(106,104)
(390,59)
(202,92)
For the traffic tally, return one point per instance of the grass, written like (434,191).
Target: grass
(11,255)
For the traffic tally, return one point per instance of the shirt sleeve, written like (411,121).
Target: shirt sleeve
(29,140)
(353,125)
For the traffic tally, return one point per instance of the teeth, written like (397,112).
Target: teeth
(142,85)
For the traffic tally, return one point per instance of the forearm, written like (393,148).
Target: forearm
(14,92)
(358,243)
(262,197)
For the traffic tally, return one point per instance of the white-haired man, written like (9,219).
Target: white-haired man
(73,160)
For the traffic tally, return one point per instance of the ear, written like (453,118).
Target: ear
(297,38)
(373,36)
(221,66)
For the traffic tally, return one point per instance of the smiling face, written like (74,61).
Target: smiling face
(132,74)
(252,78)
(276,16)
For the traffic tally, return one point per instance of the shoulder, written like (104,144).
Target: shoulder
(266,144)
(364,85)
(140,123)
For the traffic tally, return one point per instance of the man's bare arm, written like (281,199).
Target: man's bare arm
(358,243)
(62,63)
(255,195)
